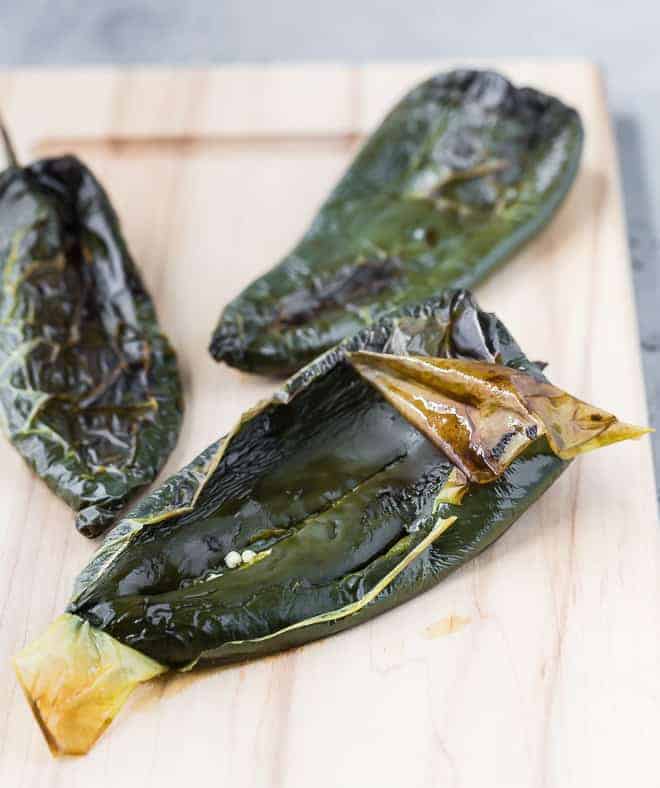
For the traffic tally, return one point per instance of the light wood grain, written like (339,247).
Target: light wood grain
(553,679)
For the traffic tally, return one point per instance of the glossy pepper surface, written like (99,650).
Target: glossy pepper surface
(90,393)
(372,474)
(461,173)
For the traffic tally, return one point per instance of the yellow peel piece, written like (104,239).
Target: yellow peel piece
(453,490)
(484,415)
(76,678)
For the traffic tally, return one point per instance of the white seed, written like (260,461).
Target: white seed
(233,559)
(248,555)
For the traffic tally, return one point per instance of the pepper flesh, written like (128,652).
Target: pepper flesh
(90,393)
(337,493)
(464,170)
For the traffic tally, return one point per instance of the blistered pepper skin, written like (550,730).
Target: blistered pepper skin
(329,486)
(373,473)
(462,172)
(90,393)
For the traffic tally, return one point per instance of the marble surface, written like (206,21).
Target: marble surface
(622,38)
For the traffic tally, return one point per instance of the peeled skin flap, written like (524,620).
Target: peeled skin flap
(483,415)
(76,678)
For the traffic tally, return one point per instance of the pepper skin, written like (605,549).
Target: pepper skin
(330,485)
(328,504)
(462,172)
(90,393)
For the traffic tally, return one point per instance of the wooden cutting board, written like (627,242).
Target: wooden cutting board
(536,665)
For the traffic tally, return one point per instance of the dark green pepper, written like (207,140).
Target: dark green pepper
(374,472)
(461,173)
(90,393)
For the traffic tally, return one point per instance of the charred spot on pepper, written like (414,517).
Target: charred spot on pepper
(431,236)
(350,286)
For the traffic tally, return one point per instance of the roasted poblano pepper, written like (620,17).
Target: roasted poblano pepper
(464,170)
(374,472)
(90,394)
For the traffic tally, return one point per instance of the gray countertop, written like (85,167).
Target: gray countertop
(621,37)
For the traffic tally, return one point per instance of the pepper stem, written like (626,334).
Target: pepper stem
(10,151)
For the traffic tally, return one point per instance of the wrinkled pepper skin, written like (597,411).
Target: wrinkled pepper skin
(90,393)
(463,171)
(329,486)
